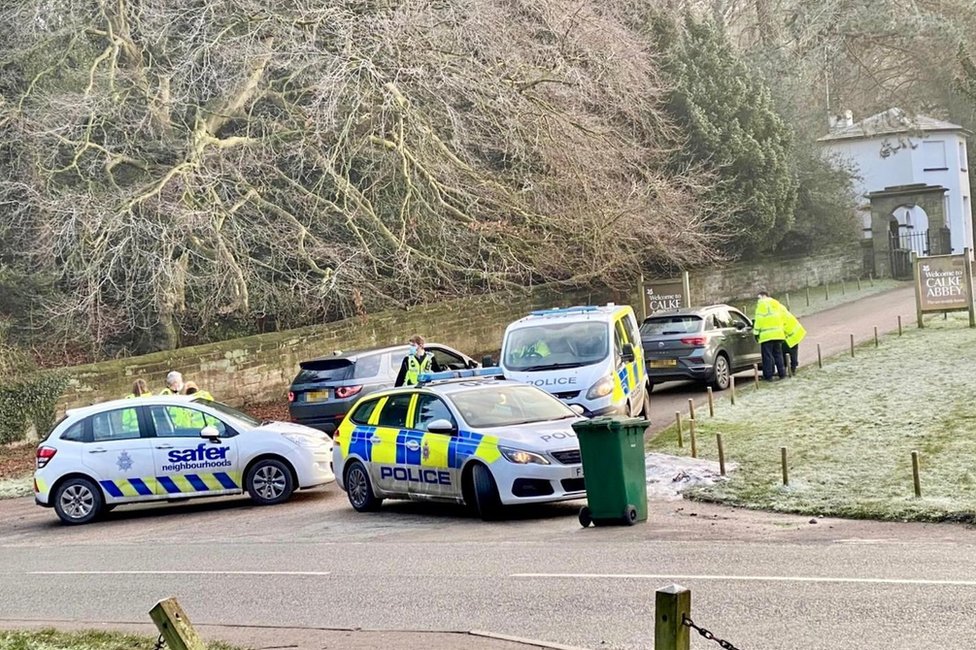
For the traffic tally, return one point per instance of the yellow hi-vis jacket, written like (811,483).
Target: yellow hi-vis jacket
(768,324)
(792,329)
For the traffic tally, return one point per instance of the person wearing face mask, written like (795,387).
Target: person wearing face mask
(417,362)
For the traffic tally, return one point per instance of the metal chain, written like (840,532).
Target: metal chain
(160,643)
(687,622)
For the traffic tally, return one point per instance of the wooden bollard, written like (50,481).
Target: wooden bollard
(786,472)
(721,454)
(876,341)
(788,361)
(843,287)
(732,389)
(174,626)
(691,409)
(808,295)
(672,605)
(677,421)
(819,357)
(852,345)
(915,478)
(858,283)
(826,291)
(871,278)
(788,300)
(755,375)
(691,434)
(899,326)
(711,403)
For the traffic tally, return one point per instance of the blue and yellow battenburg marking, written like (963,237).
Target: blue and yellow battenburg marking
(176,484)
(389,446)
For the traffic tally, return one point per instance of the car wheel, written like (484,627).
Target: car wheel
(721,373)
(78,501)
(486,493)
(359,488)
(645,411)
(269,482)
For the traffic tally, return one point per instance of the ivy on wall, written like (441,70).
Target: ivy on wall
(29,402)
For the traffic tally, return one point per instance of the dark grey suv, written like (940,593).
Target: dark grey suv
(706,344)
(325,388)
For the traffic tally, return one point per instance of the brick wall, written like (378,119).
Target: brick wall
(260,368)
(744,279)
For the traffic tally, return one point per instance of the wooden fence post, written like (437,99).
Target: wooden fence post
(671,605)
(691,434)
(755,375)
(819,357)
(732,388)
(808,295)
(915,477)
(876,341)
(711,403)
(691,409)
(852,345)
(899,326)
(174,626)
(786,472)
(721,454)
(677,421)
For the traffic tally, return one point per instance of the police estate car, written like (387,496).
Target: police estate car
(169,448)
(482,441)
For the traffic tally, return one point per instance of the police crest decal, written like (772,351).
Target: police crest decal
(124,462)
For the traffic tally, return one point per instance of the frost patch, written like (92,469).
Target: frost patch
(668,476)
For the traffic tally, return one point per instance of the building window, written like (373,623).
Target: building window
(934,156)
(963,163)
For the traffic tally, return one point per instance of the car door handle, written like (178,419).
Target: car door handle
(97,451)
(376,440)
(164,447)
(412,445)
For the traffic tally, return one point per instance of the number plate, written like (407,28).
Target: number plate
(579,472)
(662,363)
(318,395)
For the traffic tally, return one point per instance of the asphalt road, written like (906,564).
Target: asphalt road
(831,329)
(758,580)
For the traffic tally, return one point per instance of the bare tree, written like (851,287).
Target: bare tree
(175,163)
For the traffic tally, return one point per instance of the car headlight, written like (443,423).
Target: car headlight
(601,388)
(304,441)
(522,457)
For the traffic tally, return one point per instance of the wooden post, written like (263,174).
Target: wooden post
(899,326)
(711,403)
(915,479)
(786,473)
(808,295)
(819,357)
(871,278)
(852,345)
(858,283)
(175,627)
(843,287)
(671,605)
(755,374)
(968,279)
(917,274)
(694,442)
(787,359)
(691,409)
(732,388)
(788,300)
(642,297)
(826,291)
(677,420)
(876,341)
(721,454)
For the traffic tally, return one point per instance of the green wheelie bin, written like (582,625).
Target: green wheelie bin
(614,470)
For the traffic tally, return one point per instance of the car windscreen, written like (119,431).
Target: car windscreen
(666,325)
(319,370)
(502,406)
(550,346)
(223,409)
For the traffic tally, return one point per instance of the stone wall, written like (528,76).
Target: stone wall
(260,368)
(744,279)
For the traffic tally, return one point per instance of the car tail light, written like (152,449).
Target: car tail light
(342,392)
(696,341)
(44,456)
(291,396)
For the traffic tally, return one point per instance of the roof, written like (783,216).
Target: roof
(152,400)
(891,121)
(688,311)
(448,386)
(579,312)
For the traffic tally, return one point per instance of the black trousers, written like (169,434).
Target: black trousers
(772,359)
(793,352)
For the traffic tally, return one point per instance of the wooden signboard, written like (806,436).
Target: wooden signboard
(664,294)
(944,283)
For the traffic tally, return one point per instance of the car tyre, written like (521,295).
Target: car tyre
(486,493)
(721,373)
(78,501)
(269,482)
(645,411)
(359,488)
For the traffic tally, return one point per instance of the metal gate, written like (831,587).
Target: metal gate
(926,242)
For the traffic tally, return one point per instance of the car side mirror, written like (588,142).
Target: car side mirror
(472,364)
(441,426)
(487,361)
(740,325)
(577,409)
(627,353)
(210,432)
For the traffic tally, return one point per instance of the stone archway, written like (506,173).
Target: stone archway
(930,199)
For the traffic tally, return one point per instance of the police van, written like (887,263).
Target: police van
(169,448)
(589,356)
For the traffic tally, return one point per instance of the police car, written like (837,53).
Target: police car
(172,448)
(466,437)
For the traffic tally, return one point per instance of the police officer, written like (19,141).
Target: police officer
(190,388)
(539,349)
(417,362)
(139,389)
(174,383)
(794,333)
(767,326)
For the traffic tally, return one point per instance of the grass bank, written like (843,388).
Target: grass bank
(54,640)
(823,297)
(850,429)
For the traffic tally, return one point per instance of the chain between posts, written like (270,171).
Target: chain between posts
(687,622)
